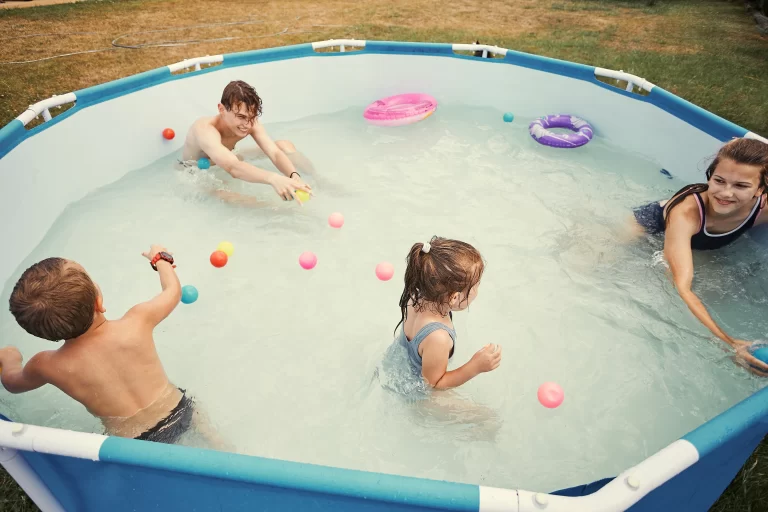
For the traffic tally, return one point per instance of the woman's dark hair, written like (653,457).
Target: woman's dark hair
(448,267)
(742,151)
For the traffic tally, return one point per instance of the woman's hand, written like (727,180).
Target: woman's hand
(742,352)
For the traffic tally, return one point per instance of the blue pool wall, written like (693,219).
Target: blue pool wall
(134,475)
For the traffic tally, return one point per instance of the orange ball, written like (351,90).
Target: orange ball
(219,259)
(169,134)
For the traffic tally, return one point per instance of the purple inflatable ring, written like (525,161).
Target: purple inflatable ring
(540,133)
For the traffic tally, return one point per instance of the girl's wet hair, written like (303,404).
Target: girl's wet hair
(448,267)
(742,151)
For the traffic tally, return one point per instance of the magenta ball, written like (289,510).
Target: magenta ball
(550,395)
(385,271)
(307,260)
(336,220)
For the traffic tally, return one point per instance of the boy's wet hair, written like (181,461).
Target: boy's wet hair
(238,93)
(450,266)
(54,300)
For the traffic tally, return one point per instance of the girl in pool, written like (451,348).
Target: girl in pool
(442,276)
(706,216)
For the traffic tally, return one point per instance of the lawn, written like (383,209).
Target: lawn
(706,51)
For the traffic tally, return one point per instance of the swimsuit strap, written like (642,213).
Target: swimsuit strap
(703,240)
(426,331)
(702,215)
(763,200)
(430,328)
(746,223)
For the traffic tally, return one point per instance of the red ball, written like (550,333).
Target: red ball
(169,134)
(219,259)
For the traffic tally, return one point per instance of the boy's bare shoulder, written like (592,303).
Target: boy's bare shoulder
(203,123)
(134,327)
(42,363)
(51,365)
(136,317)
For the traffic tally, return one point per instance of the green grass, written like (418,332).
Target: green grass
(12,497)
(706,51)
(748,491)
(84,8)
(573,7)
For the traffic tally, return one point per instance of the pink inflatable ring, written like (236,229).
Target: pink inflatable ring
(401,109)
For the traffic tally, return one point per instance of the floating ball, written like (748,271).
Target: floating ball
(336,220)
(168,134)
(761,354)
(307,260)
(188,294)
(550,395)
(509,117)
(203,163)
(385,271)
(303,196)
(227,248)
(219,259)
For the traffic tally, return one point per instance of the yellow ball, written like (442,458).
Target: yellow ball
(226,247)
(303,196)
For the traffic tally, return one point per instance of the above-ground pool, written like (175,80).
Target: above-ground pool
(296,368)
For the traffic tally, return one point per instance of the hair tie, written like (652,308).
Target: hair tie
(426,247)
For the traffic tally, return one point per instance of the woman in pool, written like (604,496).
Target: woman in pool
(442,276)
(706,216)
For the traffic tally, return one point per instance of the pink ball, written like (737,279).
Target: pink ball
(550,395)
(385,271)
(307,260)
(336,220)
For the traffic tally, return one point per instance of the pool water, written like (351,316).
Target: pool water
(294,364)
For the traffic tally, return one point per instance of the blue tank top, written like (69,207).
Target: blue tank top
(413,346)
(704,241)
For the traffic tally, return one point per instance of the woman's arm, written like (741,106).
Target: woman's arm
(684,222)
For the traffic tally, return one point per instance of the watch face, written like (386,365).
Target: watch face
(165,255)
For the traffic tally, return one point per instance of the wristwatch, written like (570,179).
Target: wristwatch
(162,255)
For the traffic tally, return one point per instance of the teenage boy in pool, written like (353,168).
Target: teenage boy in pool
(215,138)
(109,366)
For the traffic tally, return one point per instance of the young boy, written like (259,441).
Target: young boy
(109,366)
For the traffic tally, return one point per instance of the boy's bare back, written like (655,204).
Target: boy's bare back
(113,368)
(115,372)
